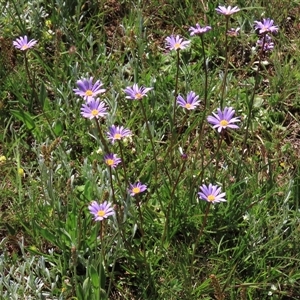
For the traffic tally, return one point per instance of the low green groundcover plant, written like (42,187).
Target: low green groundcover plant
(148,156)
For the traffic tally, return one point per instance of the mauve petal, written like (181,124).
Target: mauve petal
(229,113)
(233,120)
(213,120)
(216,190)
(180,100)
(81,85)
(222,195)
(232,126)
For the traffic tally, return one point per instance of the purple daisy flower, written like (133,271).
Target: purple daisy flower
(267,25)
(136,93)
(112,160)
(176,43)
(117,133)
(224,119)
(93,109)
(87,89)
(191,101)
(101,211)
(22,43)
(136,188)
(198,30)
(268,44)
(211,193)
(227,11)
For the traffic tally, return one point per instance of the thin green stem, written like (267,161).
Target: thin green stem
(203,168)
(121,223)
(102,256)
(116,206)
(169,151)
(102,139)
(114,264)
(120,184)
(251,102)
(154,153)
(206,103)
(137,198)
(112,186)
(176,89)
(31,83)
(35,94)
(123,163)
(198,240)
(199,154)
(143,246)
(172,201)
(183,123)
(151,142)
(218,157)
(27,70)
(224,82)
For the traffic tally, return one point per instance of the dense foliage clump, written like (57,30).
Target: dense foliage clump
(149,150)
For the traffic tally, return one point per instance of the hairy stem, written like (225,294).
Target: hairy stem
(102,139)
(206,103)
(227,54)
(251,102)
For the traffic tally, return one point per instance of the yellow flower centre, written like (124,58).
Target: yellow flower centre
(264,28)
(138,96)
(188,105)
(136,190)
(117,136)
(177,46)
(89,93)
(24,47)
(109,162)
(95,112)
(211,198)
(101,213)
(223,123)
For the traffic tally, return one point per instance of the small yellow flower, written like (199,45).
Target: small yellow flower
(21,172)
(2,159)
(48,23)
